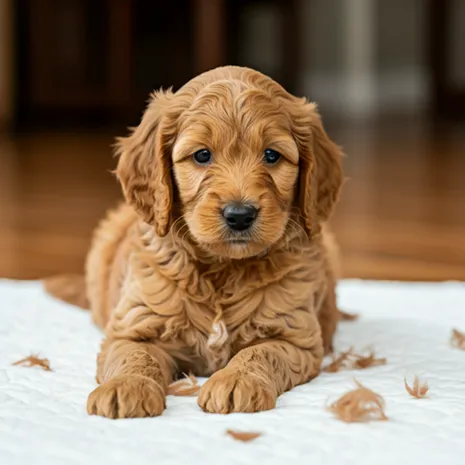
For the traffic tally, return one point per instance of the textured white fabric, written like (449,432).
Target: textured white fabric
(43,419)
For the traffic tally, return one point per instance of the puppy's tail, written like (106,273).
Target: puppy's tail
(70,288)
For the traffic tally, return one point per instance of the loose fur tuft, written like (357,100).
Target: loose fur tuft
(349,360)
(34,361)
(360,405)
(418,390)
(187,386)
(242,435)
(457,339)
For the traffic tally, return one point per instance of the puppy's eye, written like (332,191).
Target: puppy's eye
(203,157)
(271,156)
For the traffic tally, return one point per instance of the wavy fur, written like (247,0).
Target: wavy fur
(173,293)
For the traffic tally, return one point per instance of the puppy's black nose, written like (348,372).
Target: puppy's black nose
(239,217)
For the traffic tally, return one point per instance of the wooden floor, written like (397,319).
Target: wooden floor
(402,214)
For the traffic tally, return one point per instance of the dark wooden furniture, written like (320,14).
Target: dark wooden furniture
(97,60)
(448,95)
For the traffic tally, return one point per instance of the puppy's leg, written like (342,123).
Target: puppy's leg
(257,375)
(134,377)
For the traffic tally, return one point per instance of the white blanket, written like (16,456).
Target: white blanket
(43,418)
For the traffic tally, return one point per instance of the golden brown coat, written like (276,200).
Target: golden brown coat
(173,289)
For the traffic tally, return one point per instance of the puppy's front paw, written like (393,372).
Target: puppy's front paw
(128,396)
(230,391)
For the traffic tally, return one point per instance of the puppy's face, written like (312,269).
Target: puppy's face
(242,151)
(236,167)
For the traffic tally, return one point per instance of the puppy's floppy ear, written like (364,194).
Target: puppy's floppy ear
(144,166)
(320,170)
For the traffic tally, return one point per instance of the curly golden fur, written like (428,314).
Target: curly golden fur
(172,286)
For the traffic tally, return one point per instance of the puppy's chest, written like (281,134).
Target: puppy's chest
(247,302)
(204,315)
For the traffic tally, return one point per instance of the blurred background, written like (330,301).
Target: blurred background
(389,77)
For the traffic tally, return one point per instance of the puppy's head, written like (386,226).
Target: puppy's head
(232,153)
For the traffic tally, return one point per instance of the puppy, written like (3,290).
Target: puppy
(218,263)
